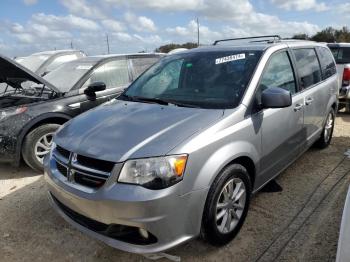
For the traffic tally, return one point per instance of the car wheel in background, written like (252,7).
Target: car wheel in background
(37,144)
(327,131)
(226,206)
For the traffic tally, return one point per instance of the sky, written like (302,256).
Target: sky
(28,26)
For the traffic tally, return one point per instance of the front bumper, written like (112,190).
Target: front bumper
(171,218)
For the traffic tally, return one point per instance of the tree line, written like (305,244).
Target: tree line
(329,35)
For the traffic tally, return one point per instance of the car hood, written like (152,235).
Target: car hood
(11,71)
(122,130)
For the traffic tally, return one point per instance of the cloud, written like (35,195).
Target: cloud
(189,33)
(84,8)
(113,25)
(140,23)
(152,39)
(160,5)
(68,22)
(30,2)
(301,5)
(343,9)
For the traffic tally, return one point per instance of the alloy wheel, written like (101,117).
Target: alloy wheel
(328,127)
(230,205)
(43,146)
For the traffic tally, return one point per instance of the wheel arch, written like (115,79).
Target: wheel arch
(50,118)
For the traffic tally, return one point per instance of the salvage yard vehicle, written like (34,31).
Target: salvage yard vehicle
(43,63)
(32,108)
(341,53)
(181,151)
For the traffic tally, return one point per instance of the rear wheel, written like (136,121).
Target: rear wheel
(37,145)
(327,132)
(226,206)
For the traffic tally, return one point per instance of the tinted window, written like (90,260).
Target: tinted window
(327,62)
(341,54)
(216,79)
(279,73)
(113,74)
(308,67)
(140,65)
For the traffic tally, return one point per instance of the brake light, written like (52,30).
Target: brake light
(346,76)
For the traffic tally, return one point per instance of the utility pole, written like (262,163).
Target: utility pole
(107,40)
(71,44)
(197,31)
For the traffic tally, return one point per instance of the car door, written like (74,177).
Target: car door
(281,129)
(115,74)
(314,90)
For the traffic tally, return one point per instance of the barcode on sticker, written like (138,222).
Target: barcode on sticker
(229,58)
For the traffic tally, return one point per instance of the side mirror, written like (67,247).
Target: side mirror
(276,98)
(93,88)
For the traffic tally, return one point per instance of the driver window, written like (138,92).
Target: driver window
(279,73)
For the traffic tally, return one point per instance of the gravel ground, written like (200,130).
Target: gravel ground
(301,223)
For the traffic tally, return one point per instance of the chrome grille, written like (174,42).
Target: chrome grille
(82,170)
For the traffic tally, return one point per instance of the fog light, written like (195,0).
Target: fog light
(143,233)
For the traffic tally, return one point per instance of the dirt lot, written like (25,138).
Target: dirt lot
(301,223)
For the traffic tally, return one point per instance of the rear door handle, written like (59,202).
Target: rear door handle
(298,107)
(309,101)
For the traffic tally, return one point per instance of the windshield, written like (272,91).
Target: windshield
(33,62)
(341,54)
(207,80)
(68,74)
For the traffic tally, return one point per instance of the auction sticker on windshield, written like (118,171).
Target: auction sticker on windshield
(229,58)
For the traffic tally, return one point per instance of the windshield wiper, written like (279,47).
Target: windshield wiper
(146,99)
(157,101)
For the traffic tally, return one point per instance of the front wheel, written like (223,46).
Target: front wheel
(37,145)
(327,132)
(226,206)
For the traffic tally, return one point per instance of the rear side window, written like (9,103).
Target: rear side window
(113,74)
(341,54)
(308,67)
(279,73)
(327,62)
(142,64)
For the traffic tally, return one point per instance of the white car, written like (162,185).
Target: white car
(341,53)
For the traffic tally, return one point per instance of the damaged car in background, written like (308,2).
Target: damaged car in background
(43,63)
(32,108)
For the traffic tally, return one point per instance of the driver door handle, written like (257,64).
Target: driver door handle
(298,107)
(309,101)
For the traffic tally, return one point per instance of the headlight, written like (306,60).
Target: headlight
(154,173)
(7,113)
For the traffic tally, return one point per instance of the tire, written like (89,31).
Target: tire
(212,228)
(327,132)
(30,145)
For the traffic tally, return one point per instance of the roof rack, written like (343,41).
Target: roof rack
(275,37)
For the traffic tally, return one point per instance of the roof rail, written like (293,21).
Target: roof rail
(275,37)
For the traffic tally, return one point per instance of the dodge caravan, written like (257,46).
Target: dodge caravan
(180,153)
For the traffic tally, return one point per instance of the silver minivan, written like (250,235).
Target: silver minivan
(180,153)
